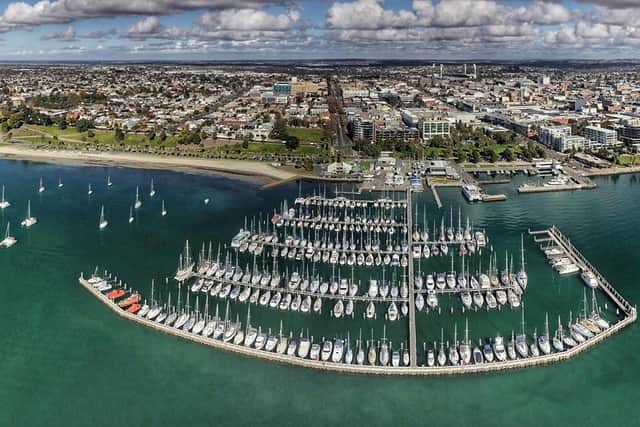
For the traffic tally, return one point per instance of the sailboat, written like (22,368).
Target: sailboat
(521,276)
(4,203)
(109,183)
(130,214)
(207,200)
(138,203)
(164,211)
(152,192)
(543,340)
(90,191)
(41,186)
(8,240)
(103,222)
(29,220)
(60,184)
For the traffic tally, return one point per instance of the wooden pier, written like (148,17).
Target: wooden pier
(577,258)
(412,370)
(413,359)
(436,196)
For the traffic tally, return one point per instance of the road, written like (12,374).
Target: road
(341,141)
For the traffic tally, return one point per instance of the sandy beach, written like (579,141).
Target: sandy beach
(146,161)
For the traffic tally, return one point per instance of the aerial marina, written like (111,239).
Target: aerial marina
(369,259)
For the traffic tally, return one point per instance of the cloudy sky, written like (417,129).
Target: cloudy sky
(286,29)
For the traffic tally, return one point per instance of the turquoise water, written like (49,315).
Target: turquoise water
(67,360)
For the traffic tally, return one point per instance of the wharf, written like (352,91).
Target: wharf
(577,258)
(436,196)
(412,370)
(294,292)
(551,188)
(413,359)
(493,181)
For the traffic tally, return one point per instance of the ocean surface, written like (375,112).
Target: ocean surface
(66,360)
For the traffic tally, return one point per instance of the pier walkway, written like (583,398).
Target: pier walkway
(412,370)
(577,258)
(413,359)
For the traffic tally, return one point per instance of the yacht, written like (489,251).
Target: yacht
(29,220)
(338,351)
(8,240)
(477,356)
(60,184)
(137,203)
(4,203)
(499,349)
(589,279)
(152,191)
(109,183)
(89,191)
(130,214)
(543,340)
(326,351)
(102,224)
(163,212)
(41,186)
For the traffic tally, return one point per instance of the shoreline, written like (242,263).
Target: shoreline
(238,168)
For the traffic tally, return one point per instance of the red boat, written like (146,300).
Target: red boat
(115,294)
(134,308)
(275,218)
(131,299)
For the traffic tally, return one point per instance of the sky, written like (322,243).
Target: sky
(320,29)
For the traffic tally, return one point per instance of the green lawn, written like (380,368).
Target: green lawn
(629,160)
(33,133)
(270,148)
(306,134)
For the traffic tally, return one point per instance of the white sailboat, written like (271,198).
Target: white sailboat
(60,184)
(102,224)
(109,183)
(4,203)
(207,200)
(138,203)
(90,191)
(130,214)
(29,220)
(164,211)
(41,186)
(8,240)
(152,192)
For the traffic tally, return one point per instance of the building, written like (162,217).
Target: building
(601,136)
(361,129)
(629,132)
(591,161)
(560,139)
(431,127)
(282,88)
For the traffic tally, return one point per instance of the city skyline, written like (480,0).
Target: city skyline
(290,29)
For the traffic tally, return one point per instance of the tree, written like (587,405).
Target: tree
(475,155)
(119,135)
(291,142)
(507,155)
(279,130)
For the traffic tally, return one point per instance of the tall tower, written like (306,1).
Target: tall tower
(441,71)
(475,72)
(465,69)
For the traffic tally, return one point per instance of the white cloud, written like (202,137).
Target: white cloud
(250,20)
(19,14)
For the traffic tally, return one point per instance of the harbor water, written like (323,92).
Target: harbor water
(67,360)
